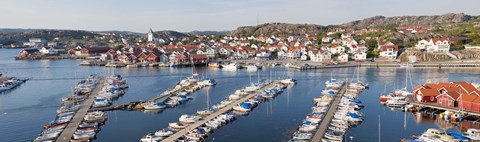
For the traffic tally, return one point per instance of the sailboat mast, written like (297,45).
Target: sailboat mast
(379,128)
(406,77)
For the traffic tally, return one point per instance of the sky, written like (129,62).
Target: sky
(211,15)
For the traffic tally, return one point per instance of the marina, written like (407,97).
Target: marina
(288,109)
(219,112)
(78,116)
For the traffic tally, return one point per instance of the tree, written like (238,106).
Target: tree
(371,44)
(373,53)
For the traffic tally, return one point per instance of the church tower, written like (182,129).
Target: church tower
(150,35)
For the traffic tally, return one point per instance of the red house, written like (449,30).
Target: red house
(427,95)
(466,102)
(448,97)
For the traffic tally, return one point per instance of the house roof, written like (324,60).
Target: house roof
(468,98)
(442,39)
(418,87)
(386,47)
(429,92)
(467,86)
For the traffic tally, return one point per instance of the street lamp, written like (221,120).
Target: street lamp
(351,138)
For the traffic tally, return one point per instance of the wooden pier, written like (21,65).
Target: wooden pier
(414,102)
(205,119)
(423,65)
(67,134)
(329,115)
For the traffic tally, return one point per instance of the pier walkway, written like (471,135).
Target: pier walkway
(412,101)
(182,132)
(163,98)
(329,115)
(67,134)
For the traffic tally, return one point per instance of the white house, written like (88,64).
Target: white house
(360,56)
(327,39)
(342,58)
(210,52)
(389,51)
(242,54)
(223,51)
(293,53)
(322,56)
(269,41)
(422,44)
(263,54)
(47,50)
(436,45)
(336,49)
(304,57)
(281,54)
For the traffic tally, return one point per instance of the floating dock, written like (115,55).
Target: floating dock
(205,119)
(67,134)
(414,102)
(329,115)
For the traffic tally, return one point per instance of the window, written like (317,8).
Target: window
(440,100)
(432,98)
(449,102)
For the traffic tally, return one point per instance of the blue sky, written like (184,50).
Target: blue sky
(189,15)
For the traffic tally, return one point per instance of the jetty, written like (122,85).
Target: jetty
(329,115)
(205,119)
(67,134)
(435,106)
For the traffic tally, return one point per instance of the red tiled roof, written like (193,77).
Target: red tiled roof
(386,47)
(468,98)
(467,86)
(429,92)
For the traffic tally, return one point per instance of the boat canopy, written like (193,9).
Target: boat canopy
(246,105)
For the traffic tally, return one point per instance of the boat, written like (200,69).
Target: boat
(214,65)
(163,133)
(95,116)
(459,137)
(385,98)
(302,136)
(101,102)
(289,81)
(473,134)
(176,125)
(231,66)
(153,106)
(150,138)
(437,134)
(189,118)
(205,111)
(396,102)
(243,107)
(251,67)
(333,136)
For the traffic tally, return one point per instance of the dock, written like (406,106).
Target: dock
(414,102)
(205,119)
(67,134)
(329,115)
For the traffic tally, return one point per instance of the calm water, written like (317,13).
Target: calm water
(24,110)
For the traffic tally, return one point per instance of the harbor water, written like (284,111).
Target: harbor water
(24,110)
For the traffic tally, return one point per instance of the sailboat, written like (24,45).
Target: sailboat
(208,81)
(194,72)
(208,110)
(404,91)
(253,87)
(289,81)
(385,98)
(359,84)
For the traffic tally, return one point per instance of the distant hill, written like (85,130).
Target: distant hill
(16,30)
(373,22)
(169,34)
(208,32)
(120,32)
(278,29)
(379,21)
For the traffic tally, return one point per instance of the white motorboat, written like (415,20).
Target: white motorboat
(231,66)
(151,138)
(154,106)
(176,125)
(205,112)
(333,136)
(289,81)
(95,116)
(473,134)
(302,136)
(396,103)
(163,133)
(189,118)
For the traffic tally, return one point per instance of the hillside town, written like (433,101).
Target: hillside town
(334,47)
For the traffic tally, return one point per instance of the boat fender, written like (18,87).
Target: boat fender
(460,119)
(474,122)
